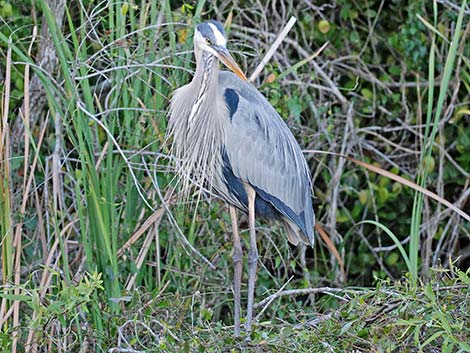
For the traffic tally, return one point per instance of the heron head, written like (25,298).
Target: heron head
(210,37)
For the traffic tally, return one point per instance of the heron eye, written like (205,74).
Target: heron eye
(208,41)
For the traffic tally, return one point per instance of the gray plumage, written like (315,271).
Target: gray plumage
(260,147)
(229,139)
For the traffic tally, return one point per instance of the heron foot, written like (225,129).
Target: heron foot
(237,271)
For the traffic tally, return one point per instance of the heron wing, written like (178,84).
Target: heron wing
(263,152)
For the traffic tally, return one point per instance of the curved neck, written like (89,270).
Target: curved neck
(205,80)
(207,68)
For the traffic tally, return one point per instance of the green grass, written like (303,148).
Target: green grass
(431,129)
(92,175)
(395,316)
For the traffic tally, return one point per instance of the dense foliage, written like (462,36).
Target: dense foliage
(90,228)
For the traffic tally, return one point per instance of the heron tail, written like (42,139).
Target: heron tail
(294,234)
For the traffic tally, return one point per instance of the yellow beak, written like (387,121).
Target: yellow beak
(224,56)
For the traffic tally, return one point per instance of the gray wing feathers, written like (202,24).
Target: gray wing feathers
(262,149)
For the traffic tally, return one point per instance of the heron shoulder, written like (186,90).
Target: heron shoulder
(263,152)
(261,146)
(228,80)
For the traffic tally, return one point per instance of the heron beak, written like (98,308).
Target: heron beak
(224,56)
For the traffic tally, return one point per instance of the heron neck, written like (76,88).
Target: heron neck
(207,69)
(205,81)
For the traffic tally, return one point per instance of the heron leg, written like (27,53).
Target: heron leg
(252,257)
(237,269)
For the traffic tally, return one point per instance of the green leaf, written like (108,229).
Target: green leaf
(393,237)
(428,291)
(392,259)
(324,26)
(363,196)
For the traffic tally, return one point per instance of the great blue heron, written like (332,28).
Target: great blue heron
(227,136)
